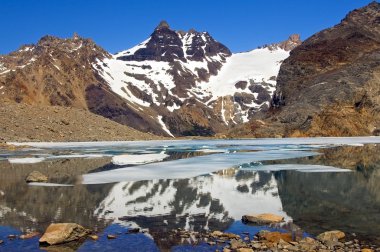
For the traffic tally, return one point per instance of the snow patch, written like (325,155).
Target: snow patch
(164,126)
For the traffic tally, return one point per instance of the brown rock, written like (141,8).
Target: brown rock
(216,233)
(36,176)
(334,235)
(366,250)
(275,237)
(94,237)
(265,218)
(29,235)
(244,250)
(58,233)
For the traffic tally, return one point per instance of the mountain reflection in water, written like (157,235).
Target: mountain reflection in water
(349,201)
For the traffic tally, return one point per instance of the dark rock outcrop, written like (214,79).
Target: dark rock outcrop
(333,74)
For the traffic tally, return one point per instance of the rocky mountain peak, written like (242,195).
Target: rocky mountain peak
(165,44)
(292,42)
(163,25)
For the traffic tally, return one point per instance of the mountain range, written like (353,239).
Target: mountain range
(185,83)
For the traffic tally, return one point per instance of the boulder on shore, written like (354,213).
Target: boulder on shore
(262,218)
(334,235)
(36,176)
(58,233)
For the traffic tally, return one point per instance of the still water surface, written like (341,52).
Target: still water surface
(316,184)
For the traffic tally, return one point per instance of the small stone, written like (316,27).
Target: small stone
(235,244)
(227,250)
(366,250)
(94,237)
(211,243)
(1,242)
(244,250)
(216,233)
(111,236)
(334,235)
(36,176)
(29,235)
(256,245)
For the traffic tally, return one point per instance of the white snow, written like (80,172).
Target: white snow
(257,65)
(129,159)
(190,167)
(132,50)
(32,160)
(164,126)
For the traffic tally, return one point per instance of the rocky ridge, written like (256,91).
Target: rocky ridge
(329,86)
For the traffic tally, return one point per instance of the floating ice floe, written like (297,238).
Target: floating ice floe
(32,160)
(189,167)
(48,184)
(129,159)
(296,167)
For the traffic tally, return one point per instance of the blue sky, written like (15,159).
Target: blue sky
(117,25)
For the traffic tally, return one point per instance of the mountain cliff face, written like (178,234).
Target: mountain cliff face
(174,83)
(330,83)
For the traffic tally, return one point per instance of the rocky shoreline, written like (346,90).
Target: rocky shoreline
(70,236)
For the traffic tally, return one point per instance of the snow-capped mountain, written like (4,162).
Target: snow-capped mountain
(173,83)
(173,71)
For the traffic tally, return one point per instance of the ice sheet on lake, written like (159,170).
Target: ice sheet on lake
(296,167)
(31,160)
(47,184)
(321,141)
(138,159)
(190,167)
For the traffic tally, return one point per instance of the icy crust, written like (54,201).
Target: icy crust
(32,160)
(190,167)
(128,159)
(312,142)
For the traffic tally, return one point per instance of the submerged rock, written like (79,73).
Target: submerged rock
(29,235)
(58,233)
(111,237)
(275,236)
(36,176)
(265,218)
(334,235)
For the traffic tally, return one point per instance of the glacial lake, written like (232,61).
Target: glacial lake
(317,184)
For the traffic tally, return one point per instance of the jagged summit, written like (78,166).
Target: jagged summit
(292,42)
(165,44)
(163,25)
